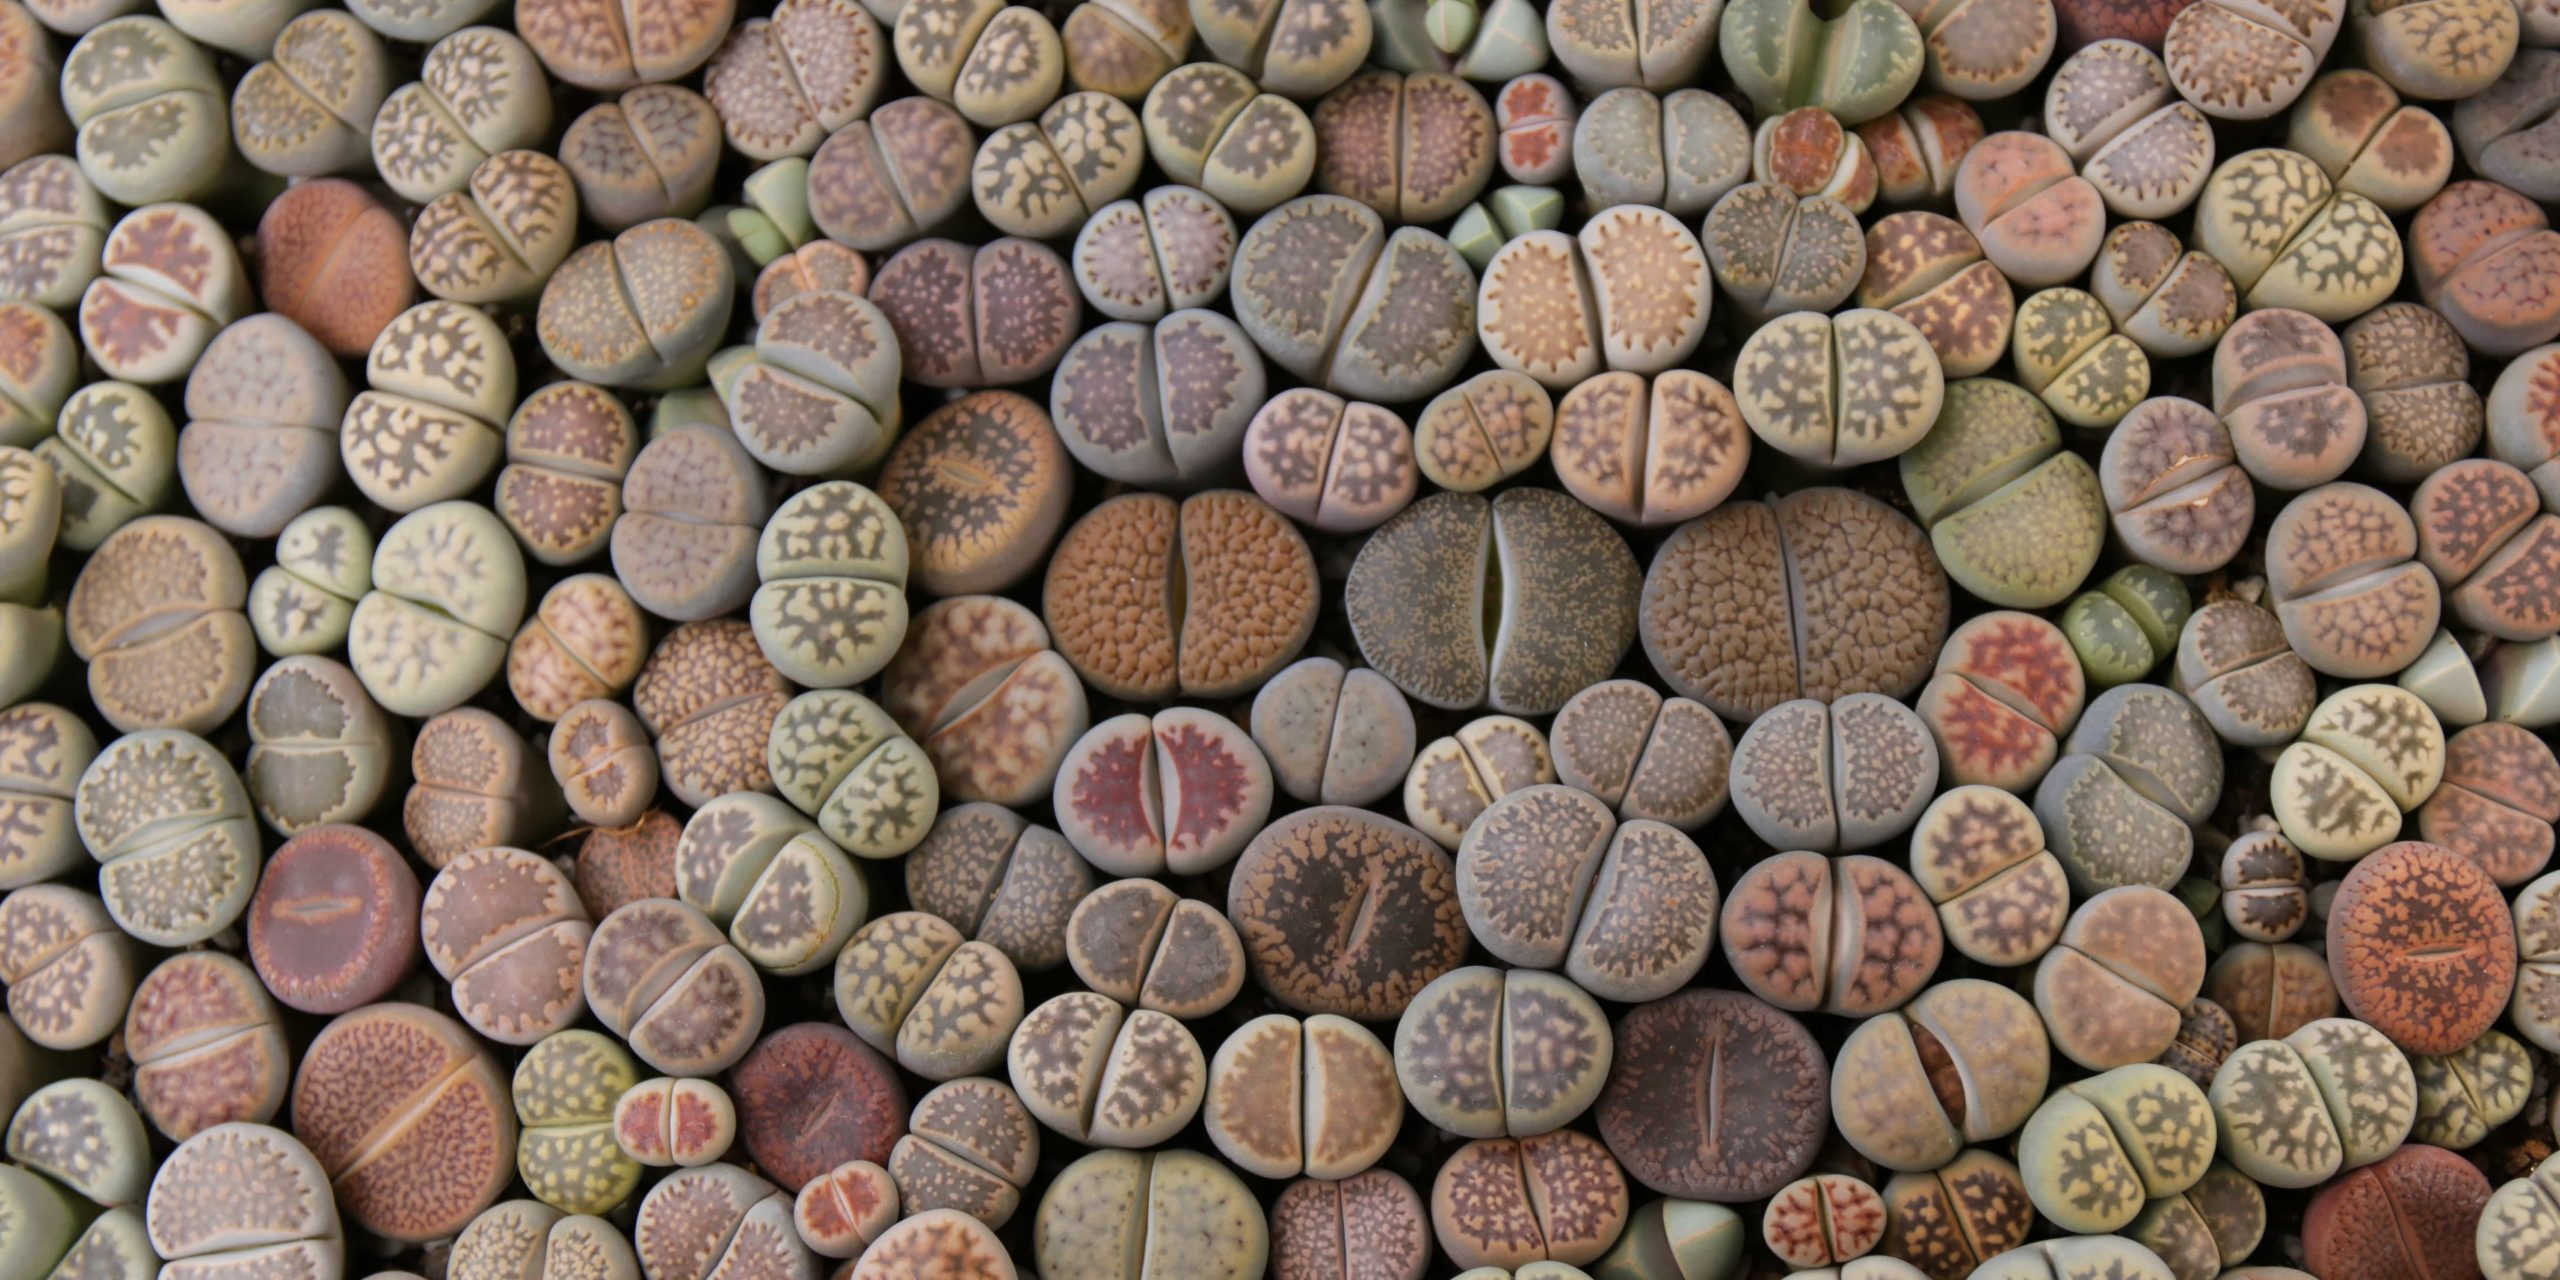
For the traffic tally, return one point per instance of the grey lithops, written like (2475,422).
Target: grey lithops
(782,83)
(151,111)
(1163,405)
(166,817)
(1107,1076)
(479,92)
(1333,735)
(1628,292)
(157,616)
(694,506)
(900,173)
(1330,295)
(53,224)
(264,405)
(1644,755)
(2369,754)
(1206,126)
(442,381)
(1776,252)
(2147,151)
(170,278)
(837,756)
(977,315)
(1167,250)
(1136,942)
(1041,178)
(320,750)
(970,1146)
(1548,878)
(1337,467)
(1680,152)
(1839,391)
(1487,1053)
(448,591)
(43,751)
(1850,775)
(2140,769)
(115,453)
(830,610)
(308,109)
(236,1183)
(1017,887)
(304,602)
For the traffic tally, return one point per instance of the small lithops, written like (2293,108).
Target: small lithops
(2358,130)
(897,174)
(2271,989)
(2265,887)
(1809,152)
(594,46)
(1548,878)
(1138,943)
(264,403)
(506,929)
(43,751)
(2005,691)
(1979,1193)
(782,83)
(2140,768)
(1775,252)
(994,706)
(1331,734)
(2369,754)
(586,639)
(152,115)
(2333,1095)
(1680,151)
(2124,627)
(478,92)
(970,1146)
(842,1212)
(642,310)
(1714,1094)
(1644,755)
(441,380)
(2476,249)
(1839,391)
(1852,774)
(2015,518)
(1929,270)
(169,279)
(2345,581)
(531,1238)
(2114,989)
(1140,259)
(1208,127)
(2067,352)
(333,260)
(2292,238)
(2464,1095)
(1978,853)
(1287,1097)
(1919,147)
(1895,1107)
(1720,625)
(2480,532)
(1852,936)
(115,454)
(1328,293)
(1629,292)
(70,966)
(1456,778)
(1538,119)
(908,985)
(1857,64)
(2037,217)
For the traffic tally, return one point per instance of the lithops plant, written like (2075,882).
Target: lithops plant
(1825,1220)
(528,1237)
(1181,792)
(1487,1053)
(1548,878)
(643,310)
(1775,252)
(1644,755)
(1714,1094)
(1978,853)
(1809,152)
(1140,259)
(2474,248)
(1119,1215)
(1339,467)
(2333,1095)
(592,46)
(815,267)
(2015,519)
(1629,292)
(1919,147)
(1538,120)
(1839,391)
(333,260)
(694,506)
(1897,1105)
(2345,582)
(569,447)
(1927,269)
(2368,141)
(2481,533)
(718,1219)
(908,985)
(1113,1077)
(649,154)
(499,236)
(1852,774)
(308,108)
(2140,768)
(998,64)
(1323,1230)
(2005,691)
(601,757)
(2207,1033)
(2266,890)
(43,751)
(1306,857)
(2503,132)
(2112,108)
(1160,406)
(2291,238)
(2038,219)
(818,393)
(2177,495)
(1711,623)
(441,379)
(2114,988)
(1456,778)
(2442,49)
(85,1137)
(477,783)
(448,589)
(897,174)
(167,818)
(157,615)
(993,705)
(1557,1198)
(264,403)
(2369,754)
(506,929)
(2241,60)
(2170,300)
(2097,1149)
(1318,1097)
(998,879)
(69,964)
(1138,943)
(586,639)
(974,315)
(242,1194)
(564,1091)
(1881,944)
(1330,295)
(1247,608)
(2464,1095)
(28,104)
(1331,734)
(2067,352)
(312,948)
(169,280)
(43,367)
(2271,989)
(1680,151)
(710,696)
(2421,947)
(1120,48)
(115,455)
(660,975)
(1950,1221)
(409,1116)
(1858,64)
(1208,127)
(2126,625)
(812,1096)
(841,1212)
(781,84)
(837,756)
(970,1146)
(2498,780)
(152,114)
(53,224)
(478,92)
(831,607)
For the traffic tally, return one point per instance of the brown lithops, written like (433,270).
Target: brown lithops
(2002,897)
(587,639)
(997,63)
(881,181)
(648,154)
(1511,1202)
(1340,467)
(2479,252)
(841,1212)
(592,45)
(1246,607)
(1714,1095)
(2482,534)
(2037,218)
(169,279)
(1415,147)
(1138,943)
(2175,488)
(1041,179)
(2006,689)
(1333,735)
(2408,364)
(812,1096)
(1122,47)
(718,1219)
(329,928)
(2235,663)
(643,309)
(710,697)
(1537,117)
(333,261)
(998,879)
(569,446)
(2498,781)
(970,1146)
(601,757)
(1629,292)
(1776,252)
(206,1044)
(1883,940)
(1331,295)
(2113,991)
(1721,626)
(2343,575)
(1367,1224)
(409,1117)
(908,985)
(499,238)
(156,615)
(2421,947)
(507,930)
(2238,60)
(782,84)
(1309,858)
(2271,989)
(1644,755)
(1107,1076)
(820,266)
(662,977)
(1919,147)
(2369,142)
(1950,1221)
(994,707)
(2279,386)
(243,1182)
(2172,301)
(1547,878)
(1929,270)
(972,316)
(1181,791)
(1317,1097)
(68,966)
(476,783)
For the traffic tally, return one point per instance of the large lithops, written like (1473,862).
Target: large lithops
(150,110)
(168,818)
(1714,1094)
(442,380)
(2114,988)
(1629,292)
(1929,270)
(2237,60)
(409,1116)
(642,310)
(1838,391)
(660,975)
(993,705)
(1857,65)
(1119,1215)
(2113,109)
(239,1192)
(1303,859)
(810,1097)
(2344,580)
(1318,1097)
(1776,252)
(2333,1095)
(156,615)
(2291,238)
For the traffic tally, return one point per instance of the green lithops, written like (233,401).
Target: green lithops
(1784,54)
(2098,1149)
(1491,43)
(564,1091)
(448,592)
(2465,1094)
(2016,519)
(441,380)
(87,1138)
(150,107)
(479,91)
(832,607)
(2122,628)
(166,817)
(2067,351)
(839,758)
(2291,238)
(2333,1095)
(303,602)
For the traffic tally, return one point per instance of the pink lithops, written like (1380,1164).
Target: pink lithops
(2280,388)
(2037,218)
(206,1044)
(2343,574)
(1535,114)
(840,1213)
(2500,795)
(2007,689)
(1180,792)
(506,929)
(1823,1221)
(674,1121)
(2493,550)
(1339,466)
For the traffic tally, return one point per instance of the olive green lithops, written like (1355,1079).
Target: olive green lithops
(478,92)
(2124,627)
(1286,1097)
(910,987)
(2369,142)
(2369,754)
(1206,126)
(2464,1095)
(2137,772)
(320,750)
(643,310)
(264,405)
(1043,178)
(1774,251)
(1629,292)
(308,109)
(2016,519)
(2247,60)
(152,114)
(442,379)
(157,615)
(2111,106)
(2333,1095)
(2517,1224)
(2292,238)
(2343,576)
(1680,151)
(564,1091)
(2067,352)
(2175,491)
(53,224)
(1488,1053)
(2002,897)
(238,1183)
(899,173)
(70,965)
(448,591)
(1839,391)
(2005,691)
(837,756)
(2038,219)
(1168,1215)
(1858,62)
(506,929)
(2096,1150)
(169,280)
(1926,268)
(1965,1062)
(1329,294)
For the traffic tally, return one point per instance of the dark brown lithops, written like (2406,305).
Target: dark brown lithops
(1505,1202)
(1280,900)
(806,1073)
(330,926)
(1138,943)
(1714,1095)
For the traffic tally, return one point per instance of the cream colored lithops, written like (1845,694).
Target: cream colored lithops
(2111,106)
(43,751)
(319,751)
(501,235)
(819,396)
(2066,350)
(1330,295)
(643,310)
(264,405)
(569,449)
(832,608)
(448,591)
(303,602)
(308,109)
(2291,238)
(1484,430)
(838,757)
(1207,126)
(1628,292)
(53,224)
(1774,251)
(1108,1076)
(479,92)
(156,615)
(909,986)
(783,83)
(115,453)
(152,116)
(442,379)
(2331,1096)
(1680,151)
(997,63)
(1839,391)
(1042,178)
(167,818)
(1169,249)
(239,1195)
(68,965)
(2370,754)
(2249,59)
(171,280)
